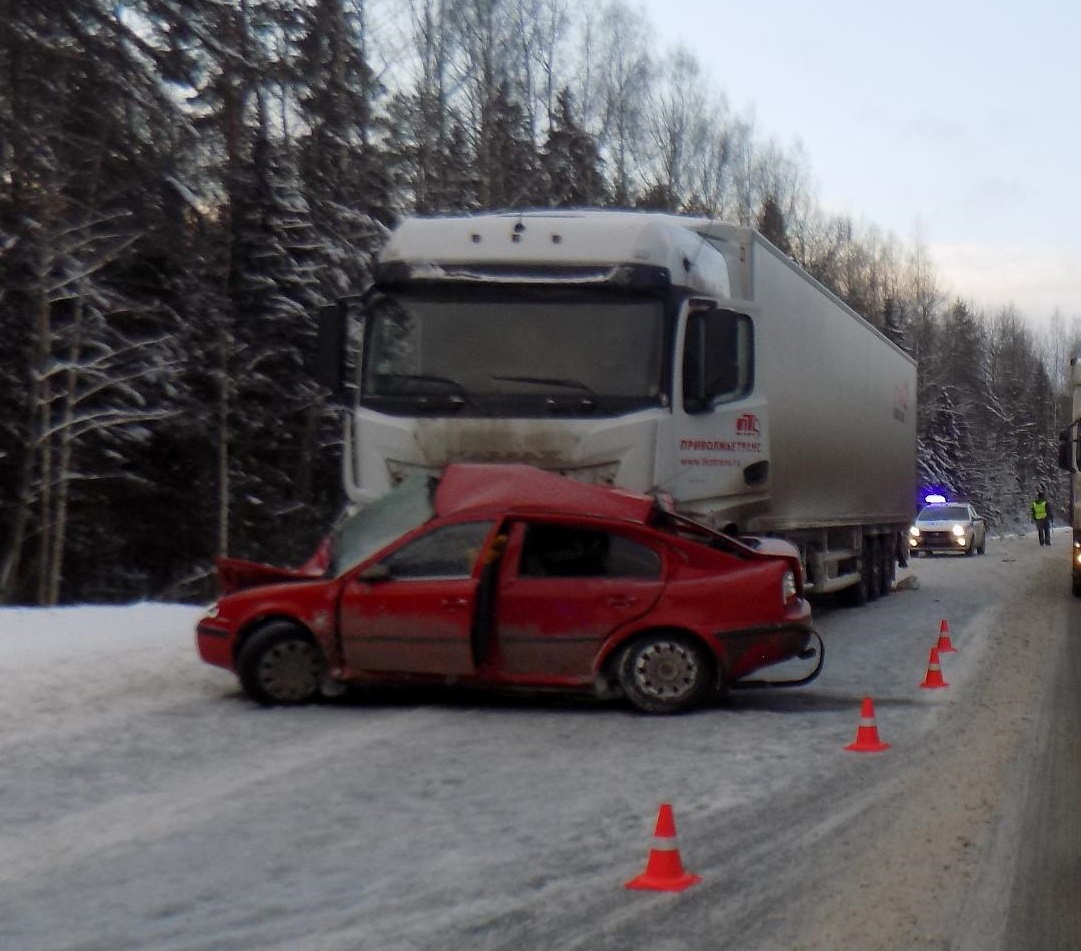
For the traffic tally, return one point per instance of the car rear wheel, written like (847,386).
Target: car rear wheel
(280,665)
(665,673)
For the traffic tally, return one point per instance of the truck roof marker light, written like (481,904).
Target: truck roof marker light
(935,499)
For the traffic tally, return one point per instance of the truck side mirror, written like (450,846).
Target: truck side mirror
(333,340)
(1065,460)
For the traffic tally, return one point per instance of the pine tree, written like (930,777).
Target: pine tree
(571,161)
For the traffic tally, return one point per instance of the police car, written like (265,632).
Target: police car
(943,526)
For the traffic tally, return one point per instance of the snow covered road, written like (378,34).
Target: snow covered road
(146,804)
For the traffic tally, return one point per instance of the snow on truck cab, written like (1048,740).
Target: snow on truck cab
(653,352)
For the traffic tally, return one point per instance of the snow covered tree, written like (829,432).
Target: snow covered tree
(571,161)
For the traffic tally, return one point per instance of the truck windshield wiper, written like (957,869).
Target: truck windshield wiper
(547,381)
(457,398)
(589,400)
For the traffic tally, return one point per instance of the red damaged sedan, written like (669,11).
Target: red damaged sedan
(507,576)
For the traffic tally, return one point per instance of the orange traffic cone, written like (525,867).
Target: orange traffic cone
(933,677)
(944,644)
(664,870)
(867,740)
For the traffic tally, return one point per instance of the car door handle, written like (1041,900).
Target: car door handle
(622,601)
(455,602)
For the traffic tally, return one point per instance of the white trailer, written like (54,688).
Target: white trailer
(656,352)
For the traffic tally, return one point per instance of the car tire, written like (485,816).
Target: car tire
(280,665)
(665,673)
(983,546)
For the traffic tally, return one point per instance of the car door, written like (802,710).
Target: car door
(412,612)
(564,588)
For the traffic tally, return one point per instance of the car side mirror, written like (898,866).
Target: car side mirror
(375,573)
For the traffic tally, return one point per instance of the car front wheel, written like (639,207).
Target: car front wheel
(665,673)
(280,665)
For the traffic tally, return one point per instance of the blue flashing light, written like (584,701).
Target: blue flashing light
(935,499)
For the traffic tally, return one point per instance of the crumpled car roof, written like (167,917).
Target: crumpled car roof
(474,486)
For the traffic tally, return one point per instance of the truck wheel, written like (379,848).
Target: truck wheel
(665,673)
(886,563)
(280,665)
(866,589)
(871,567)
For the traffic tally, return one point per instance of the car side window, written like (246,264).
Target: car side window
(567,551)
(447,552)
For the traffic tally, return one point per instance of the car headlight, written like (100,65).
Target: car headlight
(212,611)
(788,586)
(914,531)
(958,530)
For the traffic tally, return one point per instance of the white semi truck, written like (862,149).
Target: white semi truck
(661,353)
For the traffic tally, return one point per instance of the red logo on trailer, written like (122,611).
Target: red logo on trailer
(747,425)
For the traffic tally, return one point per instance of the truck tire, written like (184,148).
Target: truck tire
(886,566)
(665,672)
(280,665)
(870,568)
(858,594)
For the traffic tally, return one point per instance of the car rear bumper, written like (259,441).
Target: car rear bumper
(750,649)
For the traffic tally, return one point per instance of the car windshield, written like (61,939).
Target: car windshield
(367,530)
(944,513)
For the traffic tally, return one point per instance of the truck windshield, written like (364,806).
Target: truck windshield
(513,351)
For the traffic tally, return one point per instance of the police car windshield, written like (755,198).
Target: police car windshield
(943,513)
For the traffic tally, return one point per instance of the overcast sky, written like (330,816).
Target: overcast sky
(957,118)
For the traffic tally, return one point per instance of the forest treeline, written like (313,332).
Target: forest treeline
(184,182)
